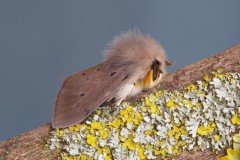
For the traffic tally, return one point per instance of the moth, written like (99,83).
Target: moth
(133,62)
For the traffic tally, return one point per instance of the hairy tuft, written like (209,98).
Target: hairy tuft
(135,51)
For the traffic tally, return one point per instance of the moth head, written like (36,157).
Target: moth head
(160,61)
(155,56)
(158,68)
(136,52)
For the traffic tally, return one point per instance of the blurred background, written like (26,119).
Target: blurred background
(41,42)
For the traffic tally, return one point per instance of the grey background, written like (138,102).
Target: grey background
(41,42)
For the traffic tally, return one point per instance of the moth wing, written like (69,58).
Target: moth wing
(84,91)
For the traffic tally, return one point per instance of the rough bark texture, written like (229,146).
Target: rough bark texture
(31,145)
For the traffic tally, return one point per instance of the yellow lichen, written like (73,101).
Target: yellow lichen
(216,137)
(232,154)
(92,140)
(129,143)
(170,104)
(141,153)
(236,119)
(206,130)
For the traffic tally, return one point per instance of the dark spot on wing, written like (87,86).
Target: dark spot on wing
(83,74)
(125,78)
(82,94)
(98,69)
(113,73)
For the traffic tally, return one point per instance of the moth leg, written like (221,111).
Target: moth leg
(118,102)
(123,92)
(107,103)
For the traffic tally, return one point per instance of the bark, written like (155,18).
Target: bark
(31,145)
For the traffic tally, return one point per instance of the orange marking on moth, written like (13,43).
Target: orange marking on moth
(137,85)
(148,79)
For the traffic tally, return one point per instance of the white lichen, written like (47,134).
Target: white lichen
(203,115)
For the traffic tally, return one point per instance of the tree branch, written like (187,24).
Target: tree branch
(30,145)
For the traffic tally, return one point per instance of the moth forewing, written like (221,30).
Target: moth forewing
(84,91)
